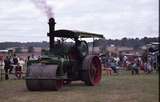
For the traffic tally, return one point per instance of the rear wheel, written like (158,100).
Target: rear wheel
(92,70)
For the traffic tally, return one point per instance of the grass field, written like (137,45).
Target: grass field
(116,88)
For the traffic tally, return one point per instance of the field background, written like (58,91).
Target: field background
(117,88)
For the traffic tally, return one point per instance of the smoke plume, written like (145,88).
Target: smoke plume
(44,7)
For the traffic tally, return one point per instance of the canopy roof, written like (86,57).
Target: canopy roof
(74,34)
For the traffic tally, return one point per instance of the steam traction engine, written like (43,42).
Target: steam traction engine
(64,62)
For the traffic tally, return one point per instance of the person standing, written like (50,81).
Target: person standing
(1,60)
(149,68)
(28,58)
(113,66)
(18,71)
(7,67)
(1,65)
(15,60)
(134,69)
(145,67)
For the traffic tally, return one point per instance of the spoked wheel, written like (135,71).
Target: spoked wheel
(92,70)
(39,85)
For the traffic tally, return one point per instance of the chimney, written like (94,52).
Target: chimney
(51,25)
(51,33)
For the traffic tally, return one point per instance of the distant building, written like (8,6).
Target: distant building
(24,50)
(37,49)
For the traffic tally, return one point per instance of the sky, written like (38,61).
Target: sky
(23,21)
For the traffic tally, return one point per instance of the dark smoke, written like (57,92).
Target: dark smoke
(42,5)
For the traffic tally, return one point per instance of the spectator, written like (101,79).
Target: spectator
(1,60)
(127,65)
(18,71)
(149,68)
(113,66)
(22,63)
(28,58)
(39,58)
(11,63)
(33,57)
(117,60)
(134,68)
(7,67)
(15,59)
(125,62)
(145,67)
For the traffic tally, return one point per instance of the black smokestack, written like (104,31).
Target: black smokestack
(48,10)
(51,33)
(51,25)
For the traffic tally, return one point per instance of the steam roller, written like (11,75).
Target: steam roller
(64,62)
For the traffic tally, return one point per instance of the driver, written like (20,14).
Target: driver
(60,49)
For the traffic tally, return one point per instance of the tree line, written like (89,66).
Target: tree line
(127,42)
(6,45)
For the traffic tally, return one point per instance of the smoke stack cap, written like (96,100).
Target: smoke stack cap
(52,20)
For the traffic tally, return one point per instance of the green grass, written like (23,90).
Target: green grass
(117,88)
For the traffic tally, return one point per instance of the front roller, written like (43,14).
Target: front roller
(44,84)
(92,70)
(42,77)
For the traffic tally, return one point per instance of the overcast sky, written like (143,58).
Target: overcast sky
(20,20)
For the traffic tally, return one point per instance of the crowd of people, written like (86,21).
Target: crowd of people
(115,63)
(132,63)
(14,65)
